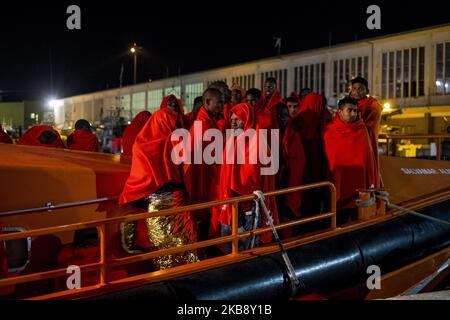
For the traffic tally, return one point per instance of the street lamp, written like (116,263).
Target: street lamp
(133,50)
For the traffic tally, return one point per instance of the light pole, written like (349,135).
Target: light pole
(133,50)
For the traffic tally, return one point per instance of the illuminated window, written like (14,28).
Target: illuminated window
(398,75)
(443,68)
(391,74)
(192,91)
(124,104)
(403,67)
(413,72)
(301,81)
(447,68)
(406,73)
(335,77)
(154,99)
(384,75)
(175,90)
(365,74)
(138,103)
(421,82)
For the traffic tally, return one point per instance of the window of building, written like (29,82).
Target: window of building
(384,75)
(175,90)
(421,82)
(407,70)
(406,78)
(335,77)
(391,74)
(296,78)
(311,76)
(365,74)
(347,73)
(300,80)
(316,78)
(440,69)
(281,78)
(398,75)
(192,91)
(342,76)
(359,70)
(123,104)
(413,72)
(138,103)
(306,77)
(322,78)
(246,81)
(443,68)
(154,99)
(447,68)
(353,68)
(344,70)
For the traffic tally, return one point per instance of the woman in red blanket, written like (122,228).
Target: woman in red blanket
(42,136)
(131,132)
(310,121)
(242,179)
(82,138)
(156,182)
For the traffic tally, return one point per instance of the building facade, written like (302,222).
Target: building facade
(407,70)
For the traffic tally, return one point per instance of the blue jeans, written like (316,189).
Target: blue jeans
(246,223)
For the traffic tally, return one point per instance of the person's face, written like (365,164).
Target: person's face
(236,123)
(293,107)
(348,113)
(236,96)
(358,91)
(172,104)
(251,99)
(283,116)
(270,88)
(215,105)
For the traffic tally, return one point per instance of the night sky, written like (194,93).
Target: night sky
(185,37)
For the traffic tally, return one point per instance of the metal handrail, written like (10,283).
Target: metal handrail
(49,206)
(413,136)
(101,225)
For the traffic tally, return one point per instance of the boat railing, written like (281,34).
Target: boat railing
(441,141)
(104,264)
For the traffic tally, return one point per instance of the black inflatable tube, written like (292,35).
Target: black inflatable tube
(325,266)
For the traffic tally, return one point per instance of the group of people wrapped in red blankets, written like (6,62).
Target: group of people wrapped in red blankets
(313,146)
(81,139)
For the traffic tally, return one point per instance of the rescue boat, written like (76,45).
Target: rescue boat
(59,210)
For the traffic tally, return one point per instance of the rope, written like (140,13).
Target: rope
(384,195)
(367,203)
(255,223)
(295,281)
